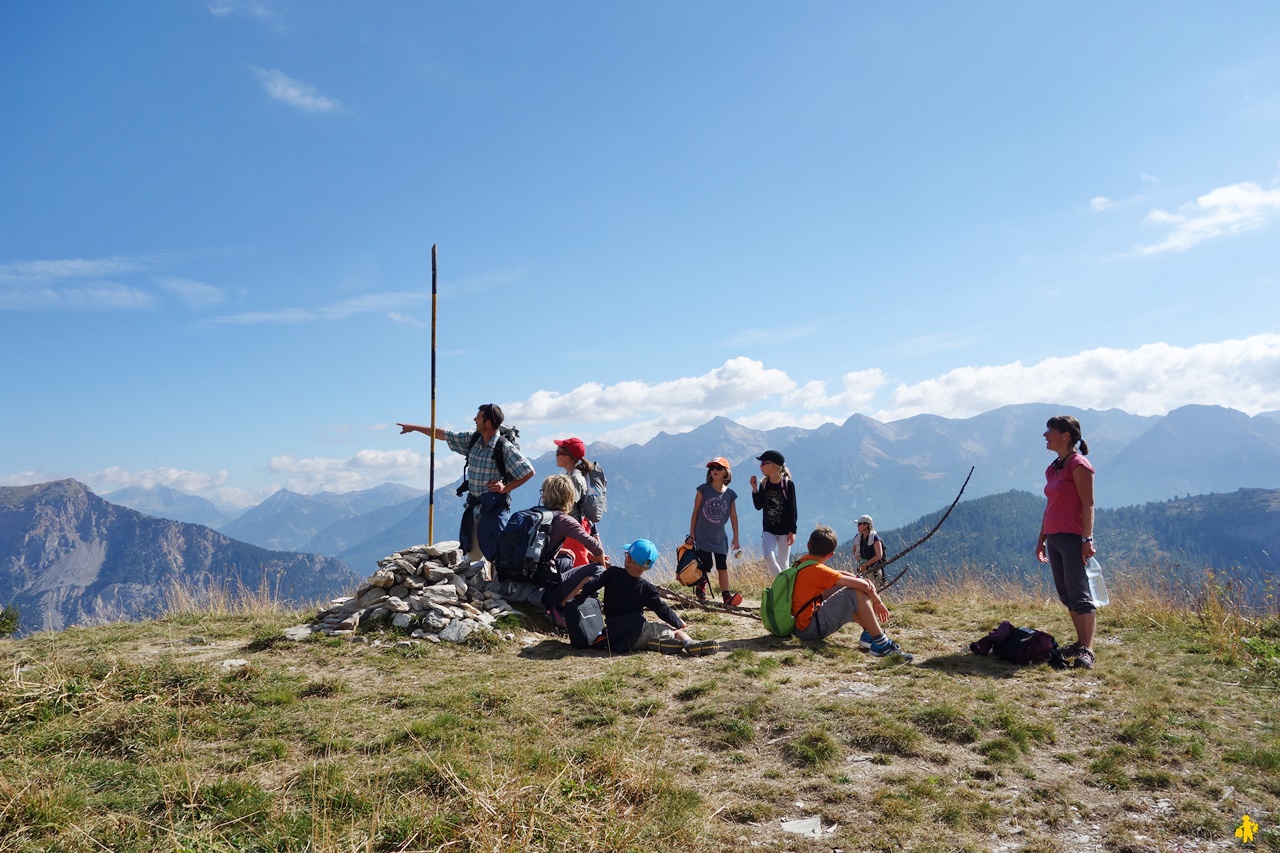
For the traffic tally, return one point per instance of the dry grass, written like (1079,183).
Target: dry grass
(132,737)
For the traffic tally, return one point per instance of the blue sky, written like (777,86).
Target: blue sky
(217,220)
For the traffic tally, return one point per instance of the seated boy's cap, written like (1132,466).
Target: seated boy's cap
(574,446)
(721,461)
(771,456)
(642,551)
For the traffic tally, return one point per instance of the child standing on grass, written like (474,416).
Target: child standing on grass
(776,495)
(714,504)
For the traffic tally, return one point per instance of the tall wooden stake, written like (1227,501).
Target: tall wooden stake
(431,479)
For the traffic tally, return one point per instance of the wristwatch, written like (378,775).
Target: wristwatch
(1086,538)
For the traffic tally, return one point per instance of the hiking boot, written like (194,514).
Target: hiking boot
(697,648)
(733,599)
(702,589)
(889,649)
(1084,659)
(864,642)
(666,647)
(1071,650)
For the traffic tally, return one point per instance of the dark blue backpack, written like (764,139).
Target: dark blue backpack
(520,548)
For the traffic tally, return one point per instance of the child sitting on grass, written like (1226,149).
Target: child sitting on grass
(824,600)
(626,597)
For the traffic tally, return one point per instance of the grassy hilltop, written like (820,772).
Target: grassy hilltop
(134,737)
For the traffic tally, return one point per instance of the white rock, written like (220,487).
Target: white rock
(384,578)
(234,663)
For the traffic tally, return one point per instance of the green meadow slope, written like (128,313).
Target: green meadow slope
(136,737)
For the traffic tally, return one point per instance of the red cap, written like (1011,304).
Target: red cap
(721,461)
(576,448)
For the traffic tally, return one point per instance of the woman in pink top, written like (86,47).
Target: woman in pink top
(1066,534)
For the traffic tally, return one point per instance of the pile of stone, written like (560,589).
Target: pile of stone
(433,589)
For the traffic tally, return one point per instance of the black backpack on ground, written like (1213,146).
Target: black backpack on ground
(1021,646)
(520,548)
(584,622)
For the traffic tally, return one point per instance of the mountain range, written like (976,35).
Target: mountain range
(895,472)
(70,557)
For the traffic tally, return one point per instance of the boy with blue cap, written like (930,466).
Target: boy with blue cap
(627,595)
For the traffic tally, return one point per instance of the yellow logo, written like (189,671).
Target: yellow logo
(1248,826)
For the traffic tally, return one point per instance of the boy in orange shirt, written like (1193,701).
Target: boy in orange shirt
(825,600)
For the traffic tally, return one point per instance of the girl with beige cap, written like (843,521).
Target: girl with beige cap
(714,506)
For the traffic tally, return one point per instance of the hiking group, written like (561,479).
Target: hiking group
(550,555)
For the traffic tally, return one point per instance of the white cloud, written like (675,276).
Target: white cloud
(106,295)
(1226,210)
(196,294)
(738,383)
(369,303)
(111,479)
(1101,203)
(281,87)
(860,388)
(406,320)
(1150,380)
(247,8)
(72,284)
(365,469)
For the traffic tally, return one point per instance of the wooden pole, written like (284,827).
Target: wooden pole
(431,479)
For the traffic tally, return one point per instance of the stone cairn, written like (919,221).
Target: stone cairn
(433,589)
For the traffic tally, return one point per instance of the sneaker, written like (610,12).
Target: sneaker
(666,647)
(702,589)
(698,648)
(1084,659)
(1071,650)
(733,599)
(889,649)
(864,642)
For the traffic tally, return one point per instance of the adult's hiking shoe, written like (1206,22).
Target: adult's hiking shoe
(890,648)
(864,642)
(698,648)
(1084,659)
(733,599)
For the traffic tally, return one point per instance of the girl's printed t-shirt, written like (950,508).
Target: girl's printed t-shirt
(713,516)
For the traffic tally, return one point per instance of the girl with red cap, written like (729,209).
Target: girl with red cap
(571,455)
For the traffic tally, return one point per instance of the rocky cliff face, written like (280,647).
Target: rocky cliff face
(69,557)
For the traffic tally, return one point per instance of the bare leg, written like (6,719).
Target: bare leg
(1085,624)
(865,617)
(722,576)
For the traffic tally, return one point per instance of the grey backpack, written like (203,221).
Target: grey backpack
(595,500)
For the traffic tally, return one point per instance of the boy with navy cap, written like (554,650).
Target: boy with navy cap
(627,595)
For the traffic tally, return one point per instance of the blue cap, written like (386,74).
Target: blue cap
(642,551)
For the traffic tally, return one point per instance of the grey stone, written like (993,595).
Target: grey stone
(298,632)
(456,631)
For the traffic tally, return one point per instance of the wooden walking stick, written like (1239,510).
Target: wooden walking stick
(431,475)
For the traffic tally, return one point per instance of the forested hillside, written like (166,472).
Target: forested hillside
(1180,538)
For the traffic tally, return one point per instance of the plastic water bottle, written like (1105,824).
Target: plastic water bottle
(1097,583)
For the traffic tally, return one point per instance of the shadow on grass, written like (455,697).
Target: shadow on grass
(970,664)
